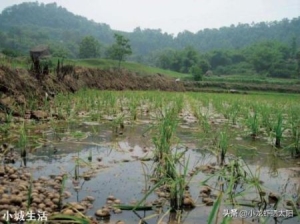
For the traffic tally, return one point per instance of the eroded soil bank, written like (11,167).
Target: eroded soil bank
(18,86)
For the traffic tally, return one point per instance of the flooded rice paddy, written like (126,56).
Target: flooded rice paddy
(104,167)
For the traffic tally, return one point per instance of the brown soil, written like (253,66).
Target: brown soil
(18,85)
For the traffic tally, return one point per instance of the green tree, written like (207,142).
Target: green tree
(189,57)
(196,72)
(268,56)
(204,65)
(298,62)
(293,47)
(219,58)
(89,48)
(119,49)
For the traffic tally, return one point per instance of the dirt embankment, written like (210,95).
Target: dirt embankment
(17,86)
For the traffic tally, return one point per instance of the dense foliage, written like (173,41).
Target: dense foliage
(267,58)
(120,49)
(89,47)
(264,48)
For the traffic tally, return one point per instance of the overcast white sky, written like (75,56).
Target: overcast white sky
(173,16)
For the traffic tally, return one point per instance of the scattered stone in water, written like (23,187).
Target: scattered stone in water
(13,176)
(52,176)
(154,180)
(161,194)
(16,200)
(89,199)
(103,213)
(117,201)
(87,177)
(67,194)
(55,200)
(111,198)
(208,201)
(188,202)
(68,212)
(109,202)
(79,207)
(43,178)
(77,188)
(206,190)
(192,173)
(273,198)
(76,182)
(120,222)
(117,211)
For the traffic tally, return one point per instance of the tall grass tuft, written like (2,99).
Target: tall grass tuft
(23,141)
(253,124)
(223,146)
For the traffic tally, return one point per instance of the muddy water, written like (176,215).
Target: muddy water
(116,170)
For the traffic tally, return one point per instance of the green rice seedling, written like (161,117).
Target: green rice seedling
(194,108)
(29,193)
(296,142)
(144,168)
(23,141)
(226,110)
(253,124)
(167,162)
(162,142)
(232,175)
(265,111)
(218,105)
(294,121)
(237,180)
(118,125)
(133,110)
(179,103)
(60,218)
(278,130)
(273,164)
(76,171)
(234,111)
(61,191)
(223,146)
(205,124)
(90,156)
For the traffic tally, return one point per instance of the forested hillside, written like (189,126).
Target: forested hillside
(245,48)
